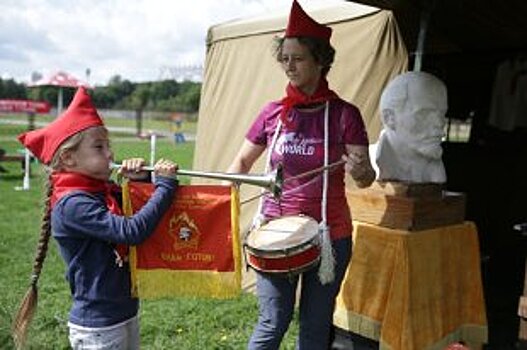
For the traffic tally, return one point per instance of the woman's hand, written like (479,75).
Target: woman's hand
(358,165)
(165,168)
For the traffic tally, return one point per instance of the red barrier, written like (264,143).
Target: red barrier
(28,106)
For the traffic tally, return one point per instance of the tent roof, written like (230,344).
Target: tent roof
(275,22)
(462,26)
(61,79)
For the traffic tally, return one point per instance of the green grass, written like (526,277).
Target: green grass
(178,323)
(148,123)
(9,132)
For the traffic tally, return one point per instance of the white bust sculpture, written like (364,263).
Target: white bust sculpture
(413,107)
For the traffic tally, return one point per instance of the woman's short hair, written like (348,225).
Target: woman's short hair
(321,50)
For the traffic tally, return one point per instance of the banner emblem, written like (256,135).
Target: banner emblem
(184,231)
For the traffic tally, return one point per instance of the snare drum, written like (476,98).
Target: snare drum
(288,245)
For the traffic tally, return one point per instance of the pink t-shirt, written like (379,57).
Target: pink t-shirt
(301,150)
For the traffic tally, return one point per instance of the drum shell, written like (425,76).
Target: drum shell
(291,258)
(283,252)
(293,264)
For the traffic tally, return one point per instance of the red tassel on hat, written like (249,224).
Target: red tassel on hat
(80,115)
(300,24)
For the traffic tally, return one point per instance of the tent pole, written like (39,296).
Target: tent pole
(423,27)
(59,102)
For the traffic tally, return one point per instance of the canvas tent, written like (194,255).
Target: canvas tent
(241,75)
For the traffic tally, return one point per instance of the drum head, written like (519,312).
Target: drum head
(283,233)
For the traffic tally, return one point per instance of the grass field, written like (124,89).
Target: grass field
(184,323)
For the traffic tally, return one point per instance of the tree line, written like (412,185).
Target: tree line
(162,96)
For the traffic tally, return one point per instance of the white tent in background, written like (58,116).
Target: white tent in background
(61,80)
(241,75)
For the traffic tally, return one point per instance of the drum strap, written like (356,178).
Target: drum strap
(326,271)
(259,219)
(325,179)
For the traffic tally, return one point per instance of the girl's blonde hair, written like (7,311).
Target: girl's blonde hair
(71,144)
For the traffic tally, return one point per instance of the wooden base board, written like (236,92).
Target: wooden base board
(408,189)
(522,334)
(407,206)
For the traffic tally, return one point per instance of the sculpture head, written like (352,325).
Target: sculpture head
(413,108)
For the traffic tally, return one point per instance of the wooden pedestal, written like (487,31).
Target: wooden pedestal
(407,206)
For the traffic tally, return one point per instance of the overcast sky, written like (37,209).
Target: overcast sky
(136,39)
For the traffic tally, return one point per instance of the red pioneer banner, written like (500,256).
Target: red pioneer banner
(194,250)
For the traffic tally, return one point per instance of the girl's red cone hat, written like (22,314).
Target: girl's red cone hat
(80,115)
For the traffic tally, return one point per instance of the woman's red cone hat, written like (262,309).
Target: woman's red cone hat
(300,24)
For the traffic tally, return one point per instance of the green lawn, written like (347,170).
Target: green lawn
(148,123)
(180,323)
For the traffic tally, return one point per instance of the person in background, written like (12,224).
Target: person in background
(2,153)
(83,212)
(309,128)
(413,108)
(179,137)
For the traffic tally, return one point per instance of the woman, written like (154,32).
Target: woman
(294,130)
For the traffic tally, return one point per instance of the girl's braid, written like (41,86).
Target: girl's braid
(45,234)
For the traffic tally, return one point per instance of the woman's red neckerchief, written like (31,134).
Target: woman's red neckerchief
(295,97)
(67,182)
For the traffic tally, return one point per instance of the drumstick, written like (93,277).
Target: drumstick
(307,173)
(316,170)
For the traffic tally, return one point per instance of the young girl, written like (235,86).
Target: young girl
(87,222)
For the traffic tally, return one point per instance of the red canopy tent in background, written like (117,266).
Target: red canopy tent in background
(61,80)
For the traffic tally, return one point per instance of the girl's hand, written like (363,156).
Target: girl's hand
(165,168)
(131,168)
